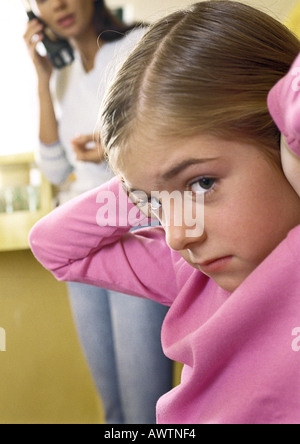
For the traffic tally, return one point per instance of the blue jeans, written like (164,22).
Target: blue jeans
(120,336)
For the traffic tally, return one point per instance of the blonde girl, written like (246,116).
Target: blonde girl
(188,113)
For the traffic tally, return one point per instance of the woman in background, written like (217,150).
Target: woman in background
(120,334)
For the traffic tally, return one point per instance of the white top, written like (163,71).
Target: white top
(78,96)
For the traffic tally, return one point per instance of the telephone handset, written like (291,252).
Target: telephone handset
(59,51)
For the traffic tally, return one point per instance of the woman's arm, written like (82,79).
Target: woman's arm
(284,107)
(51,156)
(48,124)
(89,240)
(53,162)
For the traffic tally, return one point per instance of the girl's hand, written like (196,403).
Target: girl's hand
(86,149)
(33,35)
(291,165)
(284,107)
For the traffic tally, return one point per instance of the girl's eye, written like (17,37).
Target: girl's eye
(154,207)
(148,205)
(155,204)
(138,198)
(203,185)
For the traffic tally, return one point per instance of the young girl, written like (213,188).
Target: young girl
(110,326)
(187,113)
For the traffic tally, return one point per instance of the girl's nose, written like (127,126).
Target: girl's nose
(181,237)
(182,229)
(183,220)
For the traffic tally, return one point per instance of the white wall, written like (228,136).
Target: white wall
(150,10)
(18,101)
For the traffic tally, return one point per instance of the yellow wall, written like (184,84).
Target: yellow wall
(149,11)
(293,20)
(43,375)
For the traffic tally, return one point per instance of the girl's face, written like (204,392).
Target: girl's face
(67,18)
(249,206)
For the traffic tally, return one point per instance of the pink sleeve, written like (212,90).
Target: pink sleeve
(89,240)
(284,106)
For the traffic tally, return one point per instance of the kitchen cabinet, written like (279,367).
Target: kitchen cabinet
(25,197)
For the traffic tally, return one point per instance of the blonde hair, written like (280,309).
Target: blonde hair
(204,70)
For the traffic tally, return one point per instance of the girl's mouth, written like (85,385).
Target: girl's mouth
(215,265)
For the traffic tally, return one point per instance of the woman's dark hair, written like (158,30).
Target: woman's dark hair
(108,25)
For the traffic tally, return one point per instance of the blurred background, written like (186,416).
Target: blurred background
(43,376)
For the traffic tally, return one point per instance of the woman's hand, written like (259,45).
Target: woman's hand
(87,149)
(33,35)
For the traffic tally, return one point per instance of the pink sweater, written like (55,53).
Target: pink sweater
(240,351)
